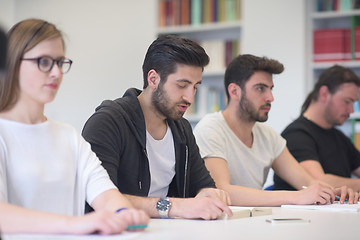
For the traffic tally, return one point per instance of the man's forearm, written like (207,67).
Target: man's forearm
(148,204)
(337,181)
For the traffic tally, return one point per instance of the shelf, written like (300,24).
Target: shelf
(208,31)
(186,29)
(334,14)
(324,65)
(355,115)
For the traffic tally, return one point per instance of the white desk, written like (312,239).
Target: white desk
(323,225)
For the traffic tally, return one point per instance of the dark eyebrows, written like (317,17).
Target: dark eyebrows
(188,82)
(263,85)
(351,99)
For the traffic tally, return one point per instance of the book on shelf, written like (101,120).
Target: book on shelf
(216,51)
(213,100)
(332,45)
(356,4)
(345,5)
(185,12)
(357,43)
(195,12)
(207,100)
(220,52)
(243,212)
(337,5)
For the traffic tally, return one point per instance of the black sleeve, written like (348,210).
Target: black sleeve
(354,155)
(301,145)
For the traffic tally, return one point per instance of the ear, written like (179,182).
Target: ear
(234,92)
(324,93)
(153,79)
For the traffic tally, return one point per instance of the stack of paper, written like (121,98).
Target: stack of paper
(334,207)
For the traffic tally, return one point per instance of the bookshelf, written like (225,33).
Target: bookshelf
(216,25)
(325,17)
(339,17)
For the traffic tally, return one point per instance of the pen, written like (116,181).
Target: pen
(338,198)
(136,226)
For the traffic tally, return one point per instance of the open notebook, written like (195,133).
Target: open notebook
(242,212)
(334,207)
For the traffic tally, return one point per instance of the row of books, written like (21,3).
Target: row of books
(195,12)
(221,53)
(336,45)
(337,5)
(207,100)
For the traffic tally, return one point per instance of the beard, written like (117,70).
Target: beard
(332,118)
(248,111)
(164,106)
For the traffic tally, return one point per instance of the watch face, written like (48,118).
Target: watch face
(163,204)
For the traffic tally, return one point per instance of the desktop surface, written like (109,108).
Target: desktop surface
(322,225)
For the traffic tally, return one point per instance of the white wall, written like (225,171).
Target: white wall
(6,13)
(276,29)
(107,41)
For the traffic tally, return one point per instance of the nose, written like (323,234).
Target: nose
(56,70)
(351,108)
(189,95)
(270,97)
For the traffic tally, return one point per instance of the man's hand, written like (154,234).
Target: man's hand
(208,204)
(315,193)
(347,193)
(215,193)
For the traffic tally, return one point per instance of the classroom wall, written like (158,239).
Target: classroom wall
(276,29)
(107,41)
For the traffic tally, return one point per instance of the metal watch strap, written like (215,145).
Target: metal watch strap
(163,207)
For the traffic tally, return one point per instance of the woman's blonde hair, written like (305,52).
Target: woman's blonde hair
(22,37)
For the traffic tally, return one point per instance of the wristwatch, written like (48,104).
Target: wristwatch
(163,207)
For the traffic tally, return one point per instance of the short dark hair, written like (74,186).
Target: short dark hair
(244,66)
(332,78)
(167,51)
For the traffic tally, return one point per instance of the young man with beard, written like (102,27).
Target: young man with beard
(239,149)
(322,150)
(146,145)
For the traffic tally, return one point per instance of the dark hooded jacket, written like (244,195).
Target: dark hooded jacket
(117,134)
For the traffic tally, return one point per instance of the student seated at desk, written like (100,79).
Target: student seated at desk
(146,145)
(47,170)
(239,149)
(322,150)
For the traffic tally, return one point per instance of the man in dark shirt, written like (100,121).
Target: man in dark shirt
(324,151)
(146,145)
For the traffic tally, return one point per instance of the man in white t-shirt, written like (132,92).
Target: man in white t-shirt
(239,149)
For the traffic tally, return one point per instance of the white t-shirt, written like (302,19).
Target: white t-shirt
(247,166)
(161,155)
(48,167)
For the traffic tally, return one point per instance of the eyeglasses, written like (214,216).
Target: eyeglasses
(45,63)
